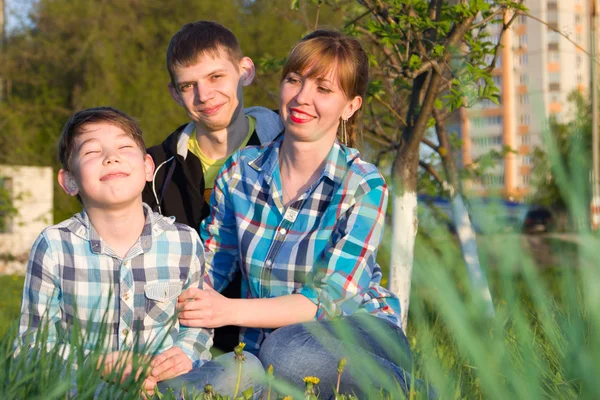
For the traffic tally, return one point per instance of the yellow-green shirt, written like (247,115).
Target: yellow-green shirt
(211,167)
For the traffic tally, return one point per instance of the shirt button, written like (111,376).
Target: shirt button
(126,296)
(125,331)
(283,231)
(268,263)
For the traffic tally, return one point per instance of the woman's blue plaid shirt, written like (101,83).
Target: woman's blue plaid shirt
(322,246)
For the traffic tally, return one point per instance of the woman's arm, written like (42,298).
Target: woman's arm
(210,309)
(348,277)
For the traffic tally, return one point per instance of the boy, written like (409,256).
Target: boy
(207,71)
(115,245)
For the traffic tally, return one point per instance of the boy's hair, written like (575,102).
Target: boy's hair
(75,125)
(201,38)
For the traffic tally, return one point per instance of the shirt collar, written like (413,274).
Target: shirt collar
(337,161)
(81,226)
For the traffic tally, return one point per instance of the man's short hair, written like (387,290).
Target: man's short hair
(198,39)
(75,126)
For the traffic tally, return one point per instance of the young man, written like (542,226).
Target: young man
(116,268)
(207,70)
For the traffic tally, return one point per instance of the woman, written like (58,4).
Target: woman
(301,218)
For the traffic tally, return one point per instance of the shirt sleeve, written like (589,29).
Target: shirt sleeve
(219,231)
(195,342)
(40,305)
(348,277)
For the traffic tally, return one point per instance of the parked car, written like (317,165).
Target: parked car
(537,220)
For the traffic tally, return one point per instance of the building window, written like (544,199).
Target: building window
(487,141)
(494,120)
(578,61)
(524,79)
(524,98)
(526,160)
(577,18)
(492,180)
(579,79)
(552,36)
(525,180)
(522,19)
(523,41)
(554,87)
(523,59)
(525,119)
(554,77)
(553,56)
(525,139)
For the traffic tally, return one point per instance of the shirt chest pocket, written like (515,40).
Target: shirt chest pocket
(161,300)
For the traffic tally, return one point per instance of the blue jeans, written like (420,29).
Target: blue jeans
(222,374)
(377,353)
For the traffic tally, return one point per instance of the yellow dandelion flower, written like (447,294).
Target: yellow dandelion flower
(242,345)
(312,379)
(288,398)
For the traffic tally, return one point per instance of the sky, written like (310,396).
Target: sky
(16,13)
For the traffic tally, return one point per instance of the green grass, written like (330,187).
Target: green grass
(11,290)
(544,341)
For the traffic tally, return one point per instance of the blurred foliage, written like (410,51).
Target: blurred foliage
(80,53)
(562,164)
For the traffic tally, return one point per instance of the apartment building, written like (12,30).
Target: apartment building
(536,72)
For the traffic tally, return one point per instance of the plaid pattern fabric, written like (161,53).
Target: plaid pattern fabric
(322,246)
(75,278)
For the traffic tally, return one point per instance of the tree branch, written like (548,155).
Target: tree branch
(429,168)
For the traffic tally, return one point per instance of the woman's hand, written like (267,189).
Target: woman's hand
(205,308)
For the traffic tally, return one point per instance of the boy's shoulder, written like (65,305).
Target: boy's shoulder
(168,225)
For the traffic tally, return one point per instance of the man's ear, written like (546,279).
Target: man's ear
(149,167)
(247,70)
(175,94)
(67,182)
(352,107)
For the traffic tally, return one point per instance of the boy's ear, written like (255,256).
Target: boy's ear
(175,94)
(68,183)
(247,70)
(149,167)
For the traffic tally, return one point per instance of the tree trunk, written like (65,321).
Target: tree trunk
(461,219)
(404,233)
(404,228)
(468,246)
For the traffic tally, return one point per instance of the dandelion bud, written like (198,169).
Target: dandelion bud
(341,365)
(270,373)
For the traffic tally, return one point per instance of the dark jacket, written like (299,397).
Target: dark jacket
(182,195)
(178,186)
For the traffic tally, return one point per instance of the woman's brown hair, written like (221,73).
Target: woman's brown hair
(323,50)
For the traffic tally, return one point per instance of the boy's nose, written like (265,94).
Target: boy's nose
(111,158)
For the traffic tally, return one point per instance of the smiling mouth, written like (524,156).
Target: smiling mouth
(210,110)
(300,116)
(116,175)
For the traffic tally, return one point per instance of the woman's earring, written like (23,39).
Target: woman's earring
(344,134)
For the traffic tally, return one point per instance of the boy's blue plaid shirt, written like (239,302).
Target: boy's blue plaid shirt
(322,246)
(80,278)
